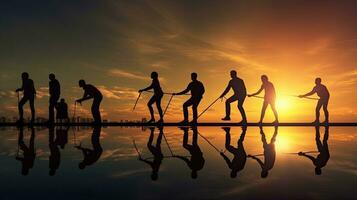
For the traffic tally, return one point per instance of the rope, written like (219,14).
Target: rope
(169,93)
(208,107)
(167,105)
(259,97)
(167,143)
(136,148)
(209,142)
(137,99)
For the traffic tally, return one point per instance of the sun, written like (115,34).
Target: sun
(283,104)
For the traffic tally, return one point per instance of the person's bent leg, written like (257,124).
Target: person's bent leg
(194,110)
(317,111)
(262,114)
(32,107)
(149,104)
(324,106)
(21,108)
(159,109)
(185,109)
(241,109)
(228,107)
(273,107)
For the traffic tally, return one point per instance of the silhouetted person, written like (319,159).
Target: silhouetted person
(29,152)
(91,92)
(324,154)
(156,152)
(62,111)
(91,156)
(321,91)
(197,161)
(240,92)
(269,153)
(197,90)
(29,94)
(240,157)
(55,93)
(156,98)
(61,136)
(55,154)
(269,98)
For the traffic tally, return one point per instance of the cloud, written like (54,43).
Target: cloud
(126,74)
(118,93)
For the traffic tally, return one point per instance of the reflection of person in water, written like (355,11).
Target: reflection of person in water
(156,152)
(240,156)
(324,154)
(269,153)
(55,156)
(61,136)
(91,155)
(29,152)
(197,161)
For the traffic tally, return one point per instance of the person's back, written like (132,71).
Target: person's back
(92,91)
(238,86)
(197,89)
(269,156)
(322,91)
(55,89)
(28,87)
(157,87)
(269,91)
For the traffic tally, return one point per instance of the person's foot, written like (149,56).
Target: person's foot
(316,122)
(152,120)
(184,128)
(20,121)
(325,122)
(226,129)
(193,122)
(260,123)
(160,121)
(184,122)
(276,122)
(226,118)
(243,122)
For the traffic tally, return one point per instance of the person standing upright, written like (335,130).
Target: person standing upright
(197,90)
(29,94)
(269,98)
(55,93)
(240,92)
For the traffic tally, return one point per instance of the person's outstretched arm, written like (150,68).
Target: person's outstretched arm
(257,159)
(85,97)
(258,92)
(21,88)
(226,159)
(184,91)
(226,90)
(148,88)
(313,91)
(307,156)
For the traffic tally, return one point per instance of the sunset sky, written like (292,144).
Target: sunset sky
(115,45)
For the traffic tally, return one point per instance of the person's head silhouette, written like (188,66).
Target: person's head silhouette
(234,74)
(52,172)
(154,176)
(234,173)
(318,81)
(25,171)
(81,165)
(264,78)
(194,174)
(318,171)
(25,75)
(51,77)
(264,174)
(154,75)
(194,76)
(81,83)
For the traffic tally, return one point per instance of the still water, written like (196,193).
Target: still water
(174,163)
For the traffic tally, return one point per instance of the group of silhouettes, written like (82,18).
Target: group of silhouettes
(195,87)
(58,138)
